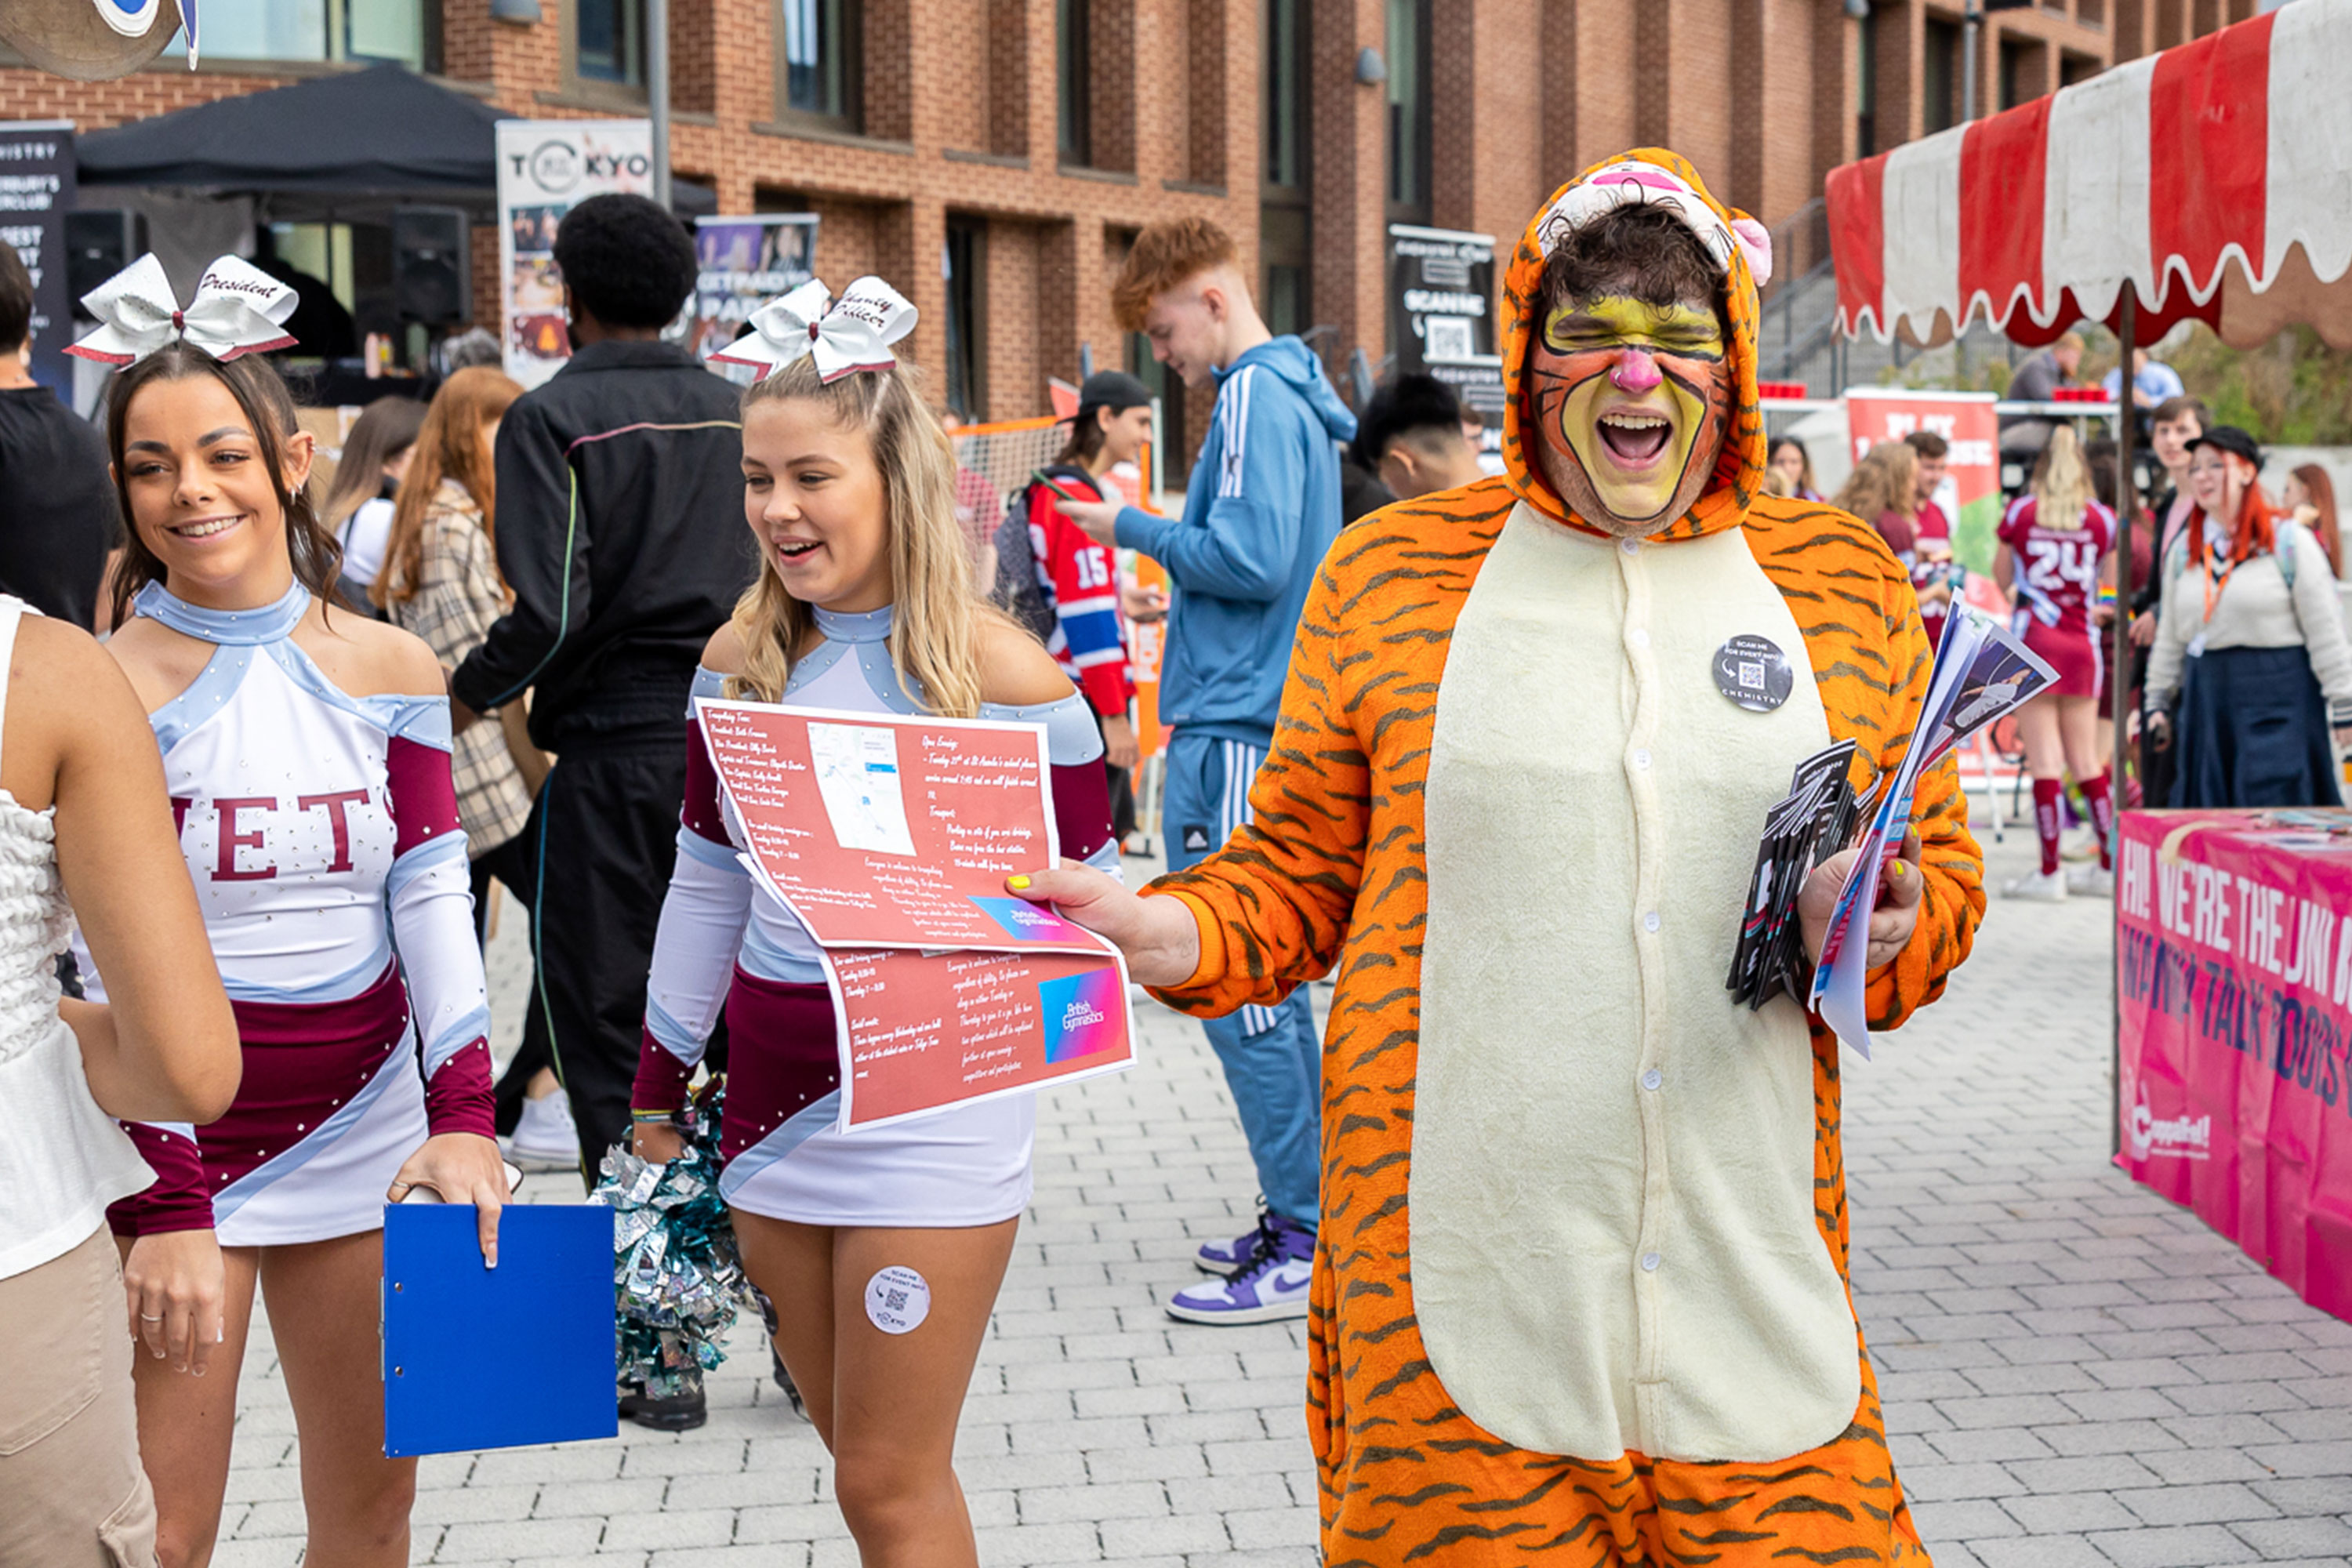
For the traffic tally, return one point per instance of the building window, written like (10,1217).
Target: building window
(963,262)
(817,61)
(1074,141)
(405,32)
(1408,62)
(610,36)
(1286,222)
(1285,95)
(1940,77)
(1866,96)
(2014,64)
(2073,68)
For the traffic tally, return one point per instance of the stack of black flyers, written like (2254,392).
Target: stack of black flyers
(1807,828)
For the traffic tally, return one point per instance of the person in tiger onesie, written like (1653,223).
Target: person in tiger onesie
(1580,1292)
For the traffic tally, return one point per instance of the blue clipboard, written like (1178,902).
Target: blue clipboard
(479,1358)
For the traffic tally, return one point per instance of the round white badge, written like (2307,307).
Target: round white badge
(898,1301)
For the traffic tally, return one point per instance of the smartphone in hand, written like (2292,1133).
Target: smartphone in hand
(1039,477)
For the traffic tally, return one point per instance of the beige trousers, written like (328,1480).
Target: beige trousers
(72,1494)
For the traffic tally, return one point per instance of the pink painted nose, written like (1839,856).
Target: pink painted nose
(1635,371)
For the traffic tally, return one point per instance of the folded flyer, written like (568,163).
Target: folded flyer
(889,839)
(1982,671)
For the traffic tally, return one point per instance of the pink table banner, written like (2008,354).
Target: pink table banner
(2236,1083)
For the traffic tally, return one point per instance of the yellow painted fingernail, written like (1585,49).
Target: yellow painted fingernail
(1896,870)
(1018,882)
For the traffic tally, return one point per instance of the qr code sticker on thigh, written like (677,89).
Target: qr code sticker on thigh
(898,1301)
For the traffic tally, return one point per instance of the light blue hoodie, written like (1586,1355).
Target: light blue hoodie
(1262,508)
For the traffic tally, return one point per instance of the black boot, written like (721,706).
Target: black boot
(682,1412)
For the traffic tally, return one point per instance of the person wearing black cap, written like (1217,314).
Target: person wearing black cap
(1078,578)
(2250,634)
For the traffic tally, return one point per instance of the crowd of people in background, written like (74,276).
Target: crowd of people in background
(2236,643)
(533,585)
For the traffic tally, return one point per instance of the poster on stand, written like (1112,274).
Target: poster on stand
(742,263)
(2234,977)
(36,191)
(922,1031)
(1970,495)
(1442,315)
(545,168)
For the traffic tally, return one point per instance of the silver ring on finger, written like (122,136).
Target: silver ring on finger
(145,1319)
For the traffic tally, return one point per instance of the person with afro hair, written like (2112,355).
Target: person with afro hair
(626,264)
(620,534)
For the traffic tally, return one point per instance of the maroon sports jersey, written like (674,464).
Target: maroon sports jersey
(2057,577)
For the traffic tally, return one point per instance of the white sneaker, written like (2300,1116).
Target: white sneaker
(2043,888)
(2091,881)
(545,1139)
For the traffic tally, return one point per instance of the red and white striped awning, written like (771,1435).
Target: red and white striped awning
(2215,177)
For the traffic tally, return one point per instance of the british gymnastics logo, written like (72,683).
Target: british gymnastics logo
(1019,916)
(1080,1014)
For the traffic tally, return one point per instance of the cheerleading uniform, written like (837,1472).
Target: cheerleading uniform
(726,942)
(2057,581)
(320,830)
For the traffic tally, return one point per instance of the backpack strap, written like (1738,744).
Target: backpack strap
(2283,548)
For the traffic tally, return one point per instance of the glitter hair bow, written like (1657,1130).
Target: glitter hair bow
(854,333)
(238,309)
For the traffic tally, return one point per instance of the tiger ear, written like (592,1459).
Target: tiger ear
(1756,242)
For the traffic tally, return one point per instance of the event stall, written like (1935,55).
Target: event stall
(2210,181)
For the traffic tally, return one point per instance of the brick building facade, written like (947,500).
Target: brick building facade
(1027,140)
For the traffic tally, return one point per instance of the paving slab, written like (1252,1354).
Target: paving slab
(2078,1375)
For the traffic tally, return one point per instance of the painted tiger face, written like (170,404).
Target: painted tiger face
(1632,401)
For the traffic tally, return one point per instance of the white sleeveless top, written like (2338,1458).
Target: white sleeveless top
(64,1159)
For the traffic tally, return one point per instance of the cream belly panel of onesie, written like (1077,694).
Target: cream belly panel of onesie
(1612,1193)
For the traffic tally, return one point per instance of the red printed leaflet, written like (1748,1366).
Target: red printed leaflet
(883,832)
(890,839)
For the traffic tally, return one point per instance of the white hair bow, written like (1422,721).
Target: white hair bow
(238,309)
(856,333)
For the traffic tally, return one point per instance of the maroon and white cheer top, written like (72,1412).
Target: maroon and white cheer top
(322,832)
(726,942)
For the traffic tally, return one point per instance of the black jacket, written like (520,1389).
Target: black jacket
(620,530)
(59,517)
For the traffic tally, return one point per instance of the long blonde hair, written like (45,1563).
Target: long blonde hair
(1887,479)
(936,618)
(2062,483)
(448,447)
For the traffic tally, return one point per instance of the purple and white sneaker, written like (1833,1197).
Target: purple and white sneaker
(1270,1286)
(1221,1258)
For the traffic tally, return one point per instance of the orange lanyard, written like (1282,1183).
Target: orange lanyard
(2217,578)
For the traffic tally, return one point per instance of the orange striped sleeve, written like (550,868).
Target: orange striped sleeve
(1273,905)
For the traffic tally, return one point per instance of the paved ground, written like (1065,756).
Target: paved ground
(2075,1372)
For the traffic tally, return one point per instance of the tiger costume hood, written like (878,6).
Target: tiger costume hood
(1741,249)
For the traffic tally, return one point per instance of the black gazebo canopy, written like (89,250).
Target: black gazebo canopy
(380,132)
(383,130)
